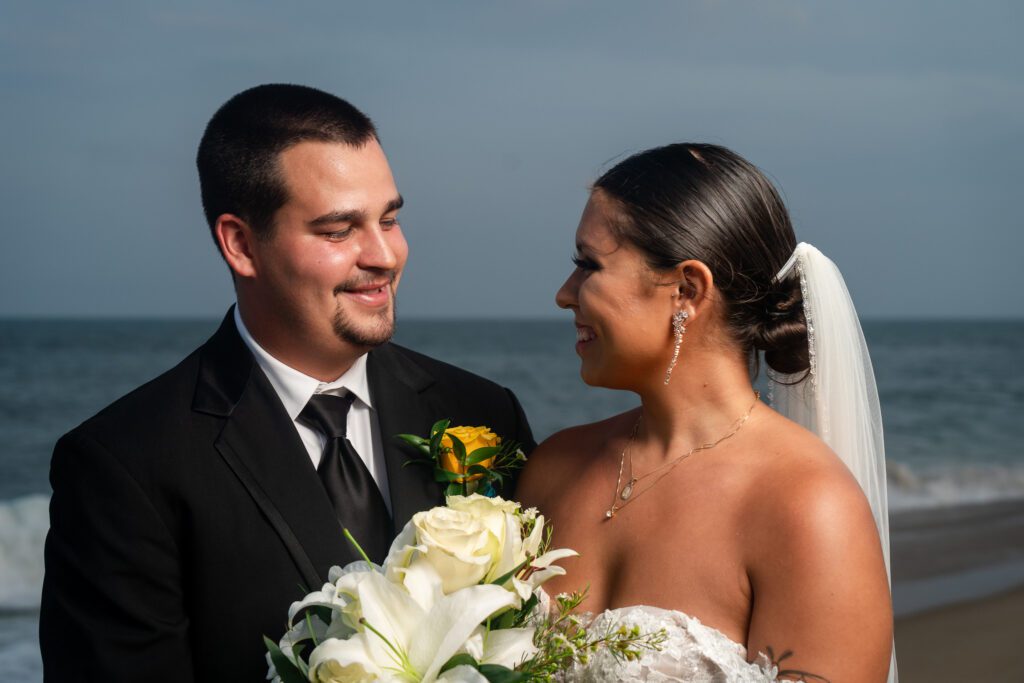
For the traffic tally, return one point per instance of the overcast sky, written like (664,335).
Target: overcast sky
(895,132)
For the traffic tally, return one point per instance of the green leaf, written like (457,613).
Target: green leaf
(439,426)
(524,612)
(286,668)
(417,461)
(459,660)
(500,674)
(458,448)
(505,620)
(505,577)
(453,490)
(444,475)
(477,469)
(412,439)
(515,618)
(482,453)
(436,448)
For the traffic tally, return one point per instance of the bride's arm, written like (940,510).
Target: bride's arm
(820,598)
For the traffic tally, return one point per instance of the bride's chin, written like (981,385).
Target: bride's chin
(593,377)
(588,377)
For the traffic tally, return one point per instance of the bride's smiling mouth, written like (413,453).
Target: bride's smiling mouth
(584,335)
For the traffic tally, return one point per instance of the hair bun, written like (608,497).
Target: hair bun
(782,334)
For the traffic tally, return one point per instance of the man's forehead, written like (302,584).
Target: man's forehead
(319,171)
(339,155)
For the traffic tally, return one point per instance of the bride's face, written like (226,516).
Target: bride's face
(623,316)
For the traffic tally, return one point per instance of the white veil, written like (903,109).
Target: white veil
(839,401)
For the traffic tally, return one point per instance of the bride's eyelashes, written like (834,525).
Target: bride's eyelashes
(584,263)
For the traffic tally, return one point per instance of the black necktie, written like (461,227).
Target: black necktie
(350,486)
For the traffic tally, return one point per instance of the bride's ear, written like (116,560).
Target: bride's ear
(694,284)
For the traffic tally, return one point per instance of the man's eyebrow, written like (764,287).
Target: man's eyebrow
(352,216)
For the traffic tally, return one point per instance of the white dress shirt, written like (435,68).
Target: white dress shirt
(295,389)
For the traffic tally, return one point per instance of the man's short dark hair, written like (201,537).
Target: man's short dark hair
(239,172)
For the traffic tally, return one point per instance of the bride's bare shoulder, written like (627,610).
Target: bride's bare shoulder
(565,453)
(804,494)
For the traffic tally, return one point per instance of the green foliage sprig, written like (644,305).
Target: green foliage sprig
(476,474)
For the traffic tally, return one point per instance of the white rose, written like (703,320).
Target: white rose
(502,519)
(461,547)
(490,511)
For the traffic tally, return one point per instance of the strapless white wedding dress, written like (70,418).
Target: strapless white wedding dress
(692,652)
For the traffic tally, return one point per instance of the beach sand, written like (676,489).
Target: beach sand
(975,641)
(953,556)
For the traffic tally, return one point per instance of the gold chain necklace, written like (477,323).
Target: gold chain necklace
(625,493)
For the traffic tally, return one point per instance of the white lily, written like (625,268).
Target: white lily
(541,569)
(517,550)
(404,639)
(506,647)
(403,550)
(340,595)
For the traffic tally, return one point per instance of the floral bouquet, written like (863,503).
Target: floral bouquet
(457,600)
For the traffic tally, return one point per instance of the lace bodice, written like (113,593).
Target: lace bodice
(692,653)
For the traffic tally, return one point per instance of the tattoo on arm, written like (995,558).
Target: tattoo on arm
(805,676)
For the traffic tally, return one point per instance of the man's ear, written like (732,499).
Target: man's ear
(236,239)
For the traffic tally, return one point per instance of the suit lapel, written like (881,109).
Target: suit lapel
(404,404)
(261,446)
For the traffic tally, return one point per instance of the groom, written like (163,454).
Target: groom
(188,515)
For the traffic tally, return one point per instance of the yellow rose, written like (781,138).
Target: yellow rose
(472,438)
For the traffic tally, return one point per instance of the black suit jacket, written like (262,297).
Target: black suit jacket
(187,516)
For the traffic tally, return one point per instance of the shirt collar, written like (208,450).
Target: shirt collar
(295,388)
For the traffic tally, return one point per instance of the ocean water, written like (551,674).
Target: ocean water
(952,398)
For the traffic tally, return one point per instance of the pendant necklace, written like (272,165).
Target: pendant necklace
(624,495)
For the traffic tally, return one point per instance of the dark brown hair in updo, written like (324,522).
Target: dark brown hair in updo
(704,202)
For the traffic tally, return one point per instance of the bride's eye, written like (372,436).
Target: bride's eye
(584,263)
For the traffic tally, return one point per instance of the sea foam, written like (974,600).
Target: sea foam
(23,525)
(949,486)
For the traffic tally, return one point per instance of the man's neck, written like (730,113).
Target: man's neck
(300,358)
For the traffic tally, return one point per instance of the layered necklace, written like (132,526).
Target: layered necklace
(624,495)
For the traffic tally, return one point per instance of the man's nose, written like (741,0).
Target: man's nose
(377,251)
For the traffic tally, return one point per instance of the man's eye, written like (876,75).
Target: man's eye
(389,223)
(584,263)
(338,234)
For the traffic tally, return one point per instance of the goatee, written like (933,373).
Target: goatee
(371,334)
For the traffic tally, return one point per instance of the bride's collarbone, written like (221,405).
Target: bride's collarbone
(691,509)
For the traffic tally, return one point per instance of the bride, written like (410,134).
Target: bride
(755,536)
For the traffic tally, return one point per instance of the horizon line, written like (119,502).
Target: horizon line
(464,318)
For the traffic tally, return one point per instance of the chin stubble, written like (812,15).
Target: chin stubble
(381,329)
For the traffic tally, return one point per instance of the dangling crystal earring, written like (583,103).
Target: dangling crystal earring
(678,329)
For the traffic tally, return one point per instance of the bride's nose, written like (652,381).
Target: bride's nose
(566,295)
